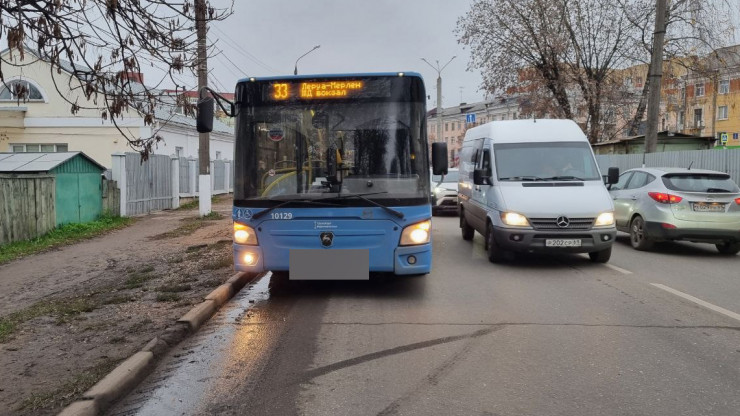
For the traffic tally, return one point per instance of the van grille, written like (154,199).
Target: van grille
(552,224)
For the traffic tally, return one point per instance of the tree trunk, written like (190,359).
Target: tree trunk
(641,107)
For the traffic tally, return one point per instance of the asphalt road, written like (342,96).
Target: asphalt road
(538,336)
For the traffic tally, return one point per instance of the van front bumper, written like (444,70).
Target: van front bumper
(528,240)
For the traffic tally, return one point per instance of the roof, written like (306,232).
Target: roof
(477,107)
(38,162)
(312,76)
(662,135)
(661,171)
(529,130)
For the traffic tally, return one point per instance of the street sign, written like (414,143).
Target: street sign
(470,118)
(723,138)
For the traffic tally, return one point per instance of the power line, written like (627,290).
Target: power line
(244,52)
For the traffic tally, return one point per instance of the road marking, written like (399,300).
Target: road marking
(619,269)
(698,301)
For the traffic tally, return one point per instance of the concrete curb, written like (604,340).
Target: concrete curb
(134,370)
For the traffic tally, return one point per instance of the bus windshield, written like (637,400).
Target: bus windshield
(286,151)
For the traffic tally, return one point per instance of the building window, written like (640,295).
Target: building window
(698,118)
(699,90)
(722,112)
(179,151)
(218,155)
(458,125)
(22,90)
(447,126)
(724,86)
(680,120)
(35,148)
(683,93)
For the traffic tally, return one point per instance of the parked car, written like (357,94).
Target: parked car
(534,186)
(660,204)
(444,192)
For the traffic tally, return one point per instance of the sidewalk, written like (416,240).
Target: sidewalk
(77,311)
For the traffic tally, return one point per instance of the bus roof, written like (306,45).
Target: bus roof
(312,76)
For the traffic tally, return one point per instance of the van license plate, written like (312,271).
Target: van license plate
(563,242)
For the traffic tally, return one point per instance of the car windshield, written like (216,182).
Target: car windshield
(451,177)
(700,183)
(545,161)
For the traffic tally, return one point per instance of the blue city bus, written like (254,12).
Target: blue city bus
(331,175)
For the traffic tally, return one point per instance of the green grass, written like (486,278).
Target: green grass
(189,227)
(188,205)
(61,309)
(64,235)
(70,390)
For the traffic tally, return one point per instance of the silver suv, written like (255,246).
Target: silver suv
(659,204)
(444,192)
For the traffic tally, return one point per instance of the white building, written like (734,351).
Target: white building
(44,123)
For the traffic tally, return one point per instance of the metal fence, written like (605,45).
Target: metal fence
(727,160)
(159,182)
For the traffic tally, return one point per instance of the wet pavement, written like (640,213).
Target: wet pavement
(537,336)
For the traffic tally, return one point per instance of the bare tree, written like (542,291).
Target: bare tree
(571,46)
(694,28)
(101,42)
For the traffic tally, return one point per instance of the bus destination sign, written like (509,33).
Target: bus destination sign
(315,90)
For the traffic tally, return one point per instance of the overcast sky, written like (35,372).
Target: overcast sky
(265,37)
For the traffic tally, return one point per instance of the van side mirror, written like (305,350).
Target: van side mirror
(613,176)
(204,122)
(481,177)
(439,158)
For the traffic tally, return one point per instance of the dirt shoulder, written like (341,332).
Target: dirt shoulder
(70,315)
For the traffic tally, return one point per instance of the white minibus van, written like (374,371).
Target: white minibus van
(534,186)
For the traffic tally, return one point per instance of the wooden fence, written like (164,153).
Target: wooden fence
(27,207)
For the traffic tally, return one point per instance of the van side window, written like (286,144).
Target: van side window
(486,161)
(474,159)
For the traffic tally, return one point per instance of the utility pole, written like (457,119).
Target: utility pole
(654,78)
(204,153)
(439,94)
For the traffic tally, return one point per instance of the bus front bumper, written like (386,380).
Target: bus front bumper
(407,260)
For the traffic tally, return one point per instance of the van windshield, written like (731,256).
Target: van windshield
(545,161)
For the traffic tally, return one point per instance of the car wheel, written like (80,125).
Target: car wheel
(729,249)
(467,231)
(601,256)
(638,237)
(495,254)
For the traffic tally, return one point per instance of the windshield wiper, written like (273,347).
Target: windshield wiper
(522,178)
(563,178)
(370,201)
(290,201)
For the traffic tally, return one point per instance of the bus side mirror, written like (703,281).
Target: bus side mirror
(204,122)
(613,176)
(439,158)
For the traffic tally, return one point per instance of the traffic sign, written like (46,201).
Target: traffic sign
(470,118)
(723,138)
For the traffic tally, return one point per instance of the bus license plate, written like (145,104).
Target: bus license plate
(329,264)
(563,242)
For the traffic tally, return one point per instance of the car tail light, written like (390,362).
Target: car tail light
(664,198)
(737,201)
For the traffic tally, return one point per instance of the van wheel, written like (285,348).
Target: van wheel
(601,256)
(467,231)
(495,254)
(729,249)
(638,237)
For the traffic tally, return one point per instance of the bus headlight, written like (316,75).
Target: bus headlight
(418,233)
(512,218)
(605,219)
(244,234)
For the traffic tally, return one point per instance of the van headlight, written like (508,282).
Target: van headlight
(605,219)
(244,234)
(416,234)
(512,218)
